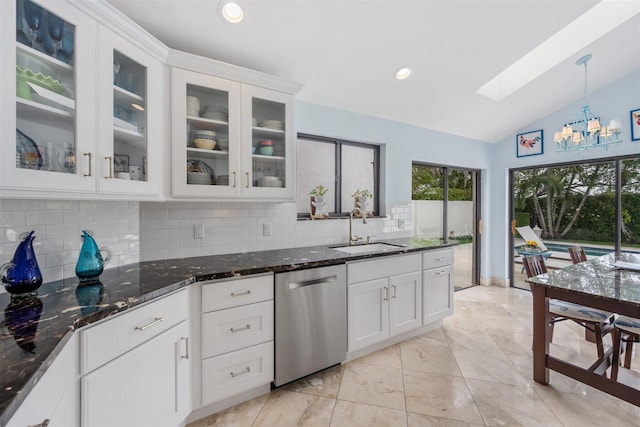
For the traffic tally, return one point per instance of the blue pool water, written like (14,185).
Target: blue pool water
(558,247)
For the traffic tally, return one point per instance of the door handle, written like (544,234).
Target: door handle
(110,159)
(513,227)
(395,290)
(386,293)
(89,155)
(186,347)
(480,227)
(247,173)
(234,179)
(329,279)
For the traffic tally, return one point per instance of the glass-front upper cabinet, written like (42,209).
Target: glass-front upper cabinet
(45,117)
(269,137)
(230,140)
(205,135)
(130,118)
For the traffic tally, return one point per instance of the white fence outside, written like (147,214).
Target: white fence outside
(427,218)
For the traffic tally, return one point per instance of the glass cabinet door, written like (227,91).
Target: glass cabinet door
(269,120)
(205,142)
(48,123)
(130,118)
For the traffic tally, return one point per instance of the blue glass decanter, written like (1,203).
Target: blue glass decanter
(22,274)
(91,261)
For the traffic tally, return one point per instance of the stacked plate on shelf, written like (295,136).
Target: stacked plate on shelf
(215,112)
(193,106)
(272,124)
(199,178)
(199,173)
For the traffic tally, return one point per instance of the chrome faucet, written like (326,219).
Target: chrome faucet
(353,238)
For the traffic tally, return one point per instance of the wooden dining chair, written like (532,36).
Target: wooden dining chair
(577,254)
(597,321)
(627,330)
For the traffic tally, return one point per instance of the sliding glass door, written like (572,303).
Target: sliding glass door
(446,206)
(592,204)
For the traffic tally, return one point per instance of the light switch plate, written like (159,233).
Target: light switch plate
(198,231)
(266,229)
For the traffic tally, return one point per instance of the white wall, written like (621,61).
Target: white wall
(58,225)
(613,101)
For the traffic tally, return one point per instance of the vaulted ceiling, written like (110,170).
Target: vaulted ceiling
(345,53)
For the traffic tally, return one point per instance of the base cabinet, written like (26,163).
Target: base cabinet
(143,387)
(437,278)
(136,366)
(56,396)
(385,299)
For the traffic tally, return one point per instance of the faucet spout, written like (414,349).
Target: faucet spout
(353,238)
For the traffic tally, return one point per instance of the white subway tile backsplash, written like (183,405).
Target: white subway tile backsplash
(23,205)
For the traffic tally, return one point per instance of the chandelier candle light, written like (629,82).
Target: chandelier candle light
(585,132)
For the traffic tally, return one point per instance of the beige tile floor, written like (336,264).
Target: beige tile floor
(473,371)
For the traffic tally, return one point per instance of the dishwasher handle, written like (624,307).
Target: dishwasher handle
(328,279)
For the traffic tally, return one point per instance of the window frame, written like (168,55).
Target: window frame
(337,190)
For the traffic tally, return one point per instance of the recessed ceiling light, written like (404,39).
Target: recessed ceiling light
(402,73)
(230,11)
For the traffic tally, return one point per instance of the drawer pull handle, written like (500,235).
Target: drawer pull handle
(247,292)
(440,273)
(441,258)
(156,320)
(244,328)
(186,347)
(237,374)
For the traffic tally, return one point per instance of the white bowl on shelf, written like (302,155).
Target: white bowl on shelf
(204,143)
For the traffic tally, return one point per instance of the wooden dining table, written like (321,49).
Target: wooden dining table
(596,283)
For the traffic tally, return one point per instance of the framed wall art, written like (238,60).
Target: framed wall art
(635,125)
(529,143)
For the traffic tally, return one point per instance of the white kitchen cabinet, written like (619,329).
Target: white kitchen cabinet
(58,115)
(146,381)
(56,396)
(130,113)
(438,287)
(253,157)
(385,299)
(237,336)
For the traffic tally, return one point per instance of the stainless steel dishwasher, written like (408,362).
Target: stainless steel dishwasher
(310,321)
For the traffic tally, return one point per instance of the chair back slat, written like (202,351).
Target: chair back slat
(577,254)
(534,265)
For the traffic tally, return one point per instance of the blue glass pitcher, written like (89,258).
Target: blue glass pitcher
(22,274)
(91,261)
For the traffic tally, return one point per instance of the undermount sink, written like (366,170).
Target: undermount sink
(366,248)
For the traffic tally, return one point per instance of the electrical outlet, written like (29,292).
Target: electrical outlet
(266,229)
(198,231)
(401,223)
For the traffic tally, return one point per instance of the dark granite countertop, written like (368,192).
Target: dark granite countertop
(36,327)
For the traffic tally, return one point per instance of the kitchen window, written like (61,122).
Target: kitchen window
(341,166)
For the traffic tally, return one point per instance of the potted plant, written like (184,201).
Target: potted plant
(361,200)
(318,202)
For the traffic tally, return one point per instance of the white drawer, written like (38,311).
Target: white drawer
(233,293)
(235,328)
(119,334)
(233,373)
(382,267)
(437,258)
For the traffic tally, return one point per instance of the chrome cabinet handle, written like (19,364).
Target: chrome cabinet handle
(237,374)
(247,173)
(156,320)
(186,347)
(89,155)
(110,159)
(329,279)
(440,273)
(441,259)
(244,328)
(234,179)
(395,288)
(247,292)
(386,293)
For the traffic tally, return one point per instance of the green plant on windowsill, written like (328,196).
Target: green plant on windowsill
(318,202)
(362,194)
(319,191)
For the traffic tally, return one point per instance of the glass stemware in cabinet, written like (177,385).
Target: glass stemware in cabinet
(45,91)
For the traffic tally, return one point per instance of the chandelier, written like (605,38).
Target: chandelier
(585,131)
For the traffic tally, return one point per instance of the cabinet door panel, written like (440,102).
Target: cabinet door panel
(405,309)
(140,388)
(368,313)
(438,293)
